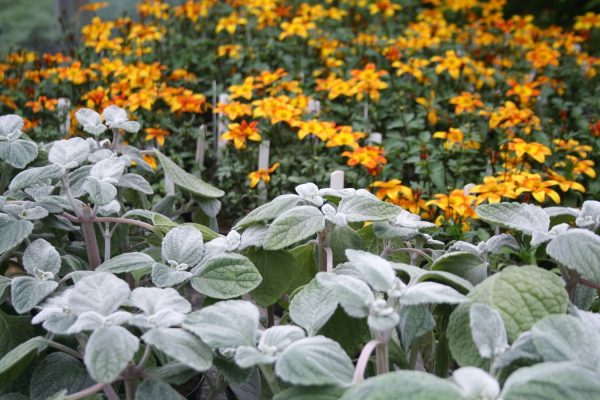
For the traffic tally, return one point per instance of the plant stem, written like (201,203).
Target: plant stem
(86,392)
(130,389)
(267,371)
(363,360)
(413,252)
(382,358)
(270,316)
(89,236)
(325,259)
(119,220)
(64,348)
(145,357)
(70,197)
(589,284)
(110,393)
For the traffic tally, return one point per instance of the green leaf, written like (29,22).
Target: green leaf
(226,276)
(487,330)
(127,262)
(523,296)
(270,211)
(342,238)
(27,292)
(13,232)
(354,295)
(310,393)
(18,153)
(412,385)
(32,176)
(578,249)
(183,245)
(315,360)
(4,284)
(41,256)
(294,225)
(187,181)
(431,293)
(460,339)
(552,381)
(374,270)
(415,321)
(108,351)
(526,218)
(312,307)
(464,264)
(475,383)
(360,208)
(155,389)
(58,371)
(99,291)
(164,276)
(566,338)
(12,358)
(278,269)
(229,323)
(182,346)
(135,182)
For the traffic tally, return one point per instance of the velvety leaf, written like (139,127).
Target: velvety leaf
(182,346)
(108,351)
(127,262)
(526,218)
(187,181)
(312,307)
(294,225)
(226,276)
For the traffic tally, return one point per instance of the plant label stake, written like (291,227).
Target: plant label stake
(336,180)
(221,124)
(169,186)
(63,112)
(375,138)
(263,163)
(201,147)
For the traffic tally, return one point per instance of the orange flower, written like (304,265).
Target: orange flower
(239,133)
(151,161)
(96,98)
(234,110)
(158,134)
(42,103)
(371,157)
(466,102)
(263,174)
(543,55)
(369,81)
(94,6)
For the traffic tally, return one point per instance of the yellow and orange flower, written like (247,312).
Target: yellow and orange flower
(263,174)
(157,133)
(239,133)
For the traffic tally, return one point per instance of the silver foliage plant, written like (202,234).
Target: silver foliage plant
(170,302)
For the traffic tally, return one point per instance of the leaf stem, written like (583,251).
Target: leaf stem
(87,391)
(363,360)
(64,348)
(89,236)
(269,375)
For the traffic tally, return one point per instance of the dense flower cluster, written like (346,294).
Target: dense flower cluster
(473,106)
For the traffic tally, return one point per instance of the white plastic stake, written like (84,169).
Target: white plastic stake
(375,138)
(263,163)
(201,146)
(169,186)
(336,180)
(64,104)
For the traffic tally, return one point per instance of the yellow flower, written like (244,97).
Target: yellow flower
(234,110)
(94,6)
(564,183)
(369,81)
(537,151)
(384,7)
(391,189)
(466,102)
(587,22)
(298,27)
(492,190)
(538,188)
(263,174)
(244,90)
(345,136)
(239,133)
(229,50)
(429,105)
(321,129)
(230,23)
(450,62)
